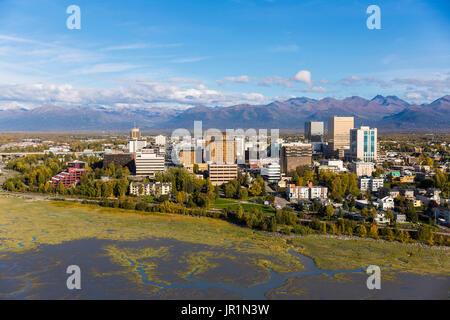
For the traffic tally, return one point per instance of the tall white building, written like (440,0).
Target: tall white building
(160,140)
(363,144)
(135,146)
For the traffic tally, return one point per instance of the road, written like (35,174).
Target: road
(279,201)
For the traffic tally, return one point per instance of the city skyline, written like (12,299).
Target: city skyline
(146,54)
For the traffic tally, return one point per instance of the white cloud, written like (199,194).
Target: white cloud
(314,89)
(239,79)
(139,93)
(303,76)
(275,80)
(350,81)
(413,96)
(189,60)
(105,68)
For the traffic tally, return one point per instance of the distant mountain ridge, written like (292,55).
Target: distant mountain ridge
(389,112)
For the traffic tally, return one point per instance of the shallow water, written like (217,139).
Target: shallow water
(41,274)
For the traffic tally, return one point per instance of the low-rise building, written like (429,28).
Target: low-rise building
(400,218)
(408,194)
(404,179)
(381,218)
(309,192)
(386,203)
(417,203)
(384,191)
(150,188)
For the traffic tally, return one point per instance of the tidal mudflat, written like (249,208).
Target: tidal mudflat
(126,255)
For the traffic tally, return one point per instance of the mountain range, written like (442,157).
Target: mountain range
(384,112)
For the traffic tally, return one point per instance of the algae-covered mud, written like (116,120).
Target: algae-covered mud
(126,255)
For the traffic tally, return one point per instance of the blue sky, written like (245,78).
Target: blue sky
(170,53)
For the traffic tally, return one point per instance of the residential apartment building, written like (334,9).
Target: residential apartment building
(150,188)
(309,192)
(314,131)
(363,144)
(222,173)
(373,184)
(339,135)
(293,155)
(71,175)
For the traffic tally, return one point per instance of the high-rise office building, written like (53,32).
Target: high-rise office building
(135,134)
(339,135)
(295,154)
(220,150)
(363,144)
(314,131)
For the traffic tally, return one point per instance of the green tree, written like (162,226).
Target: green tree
(362,232)
(329,211)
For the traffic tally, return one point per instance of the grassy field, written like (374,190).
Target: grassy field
(338,254)
(25,225)
(234,204)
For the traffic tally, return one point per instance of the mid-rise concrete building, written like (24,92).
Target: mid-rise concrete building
(293,155)
(147,164)
(120,159)
(222,173)
(363,168)
(271,172)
